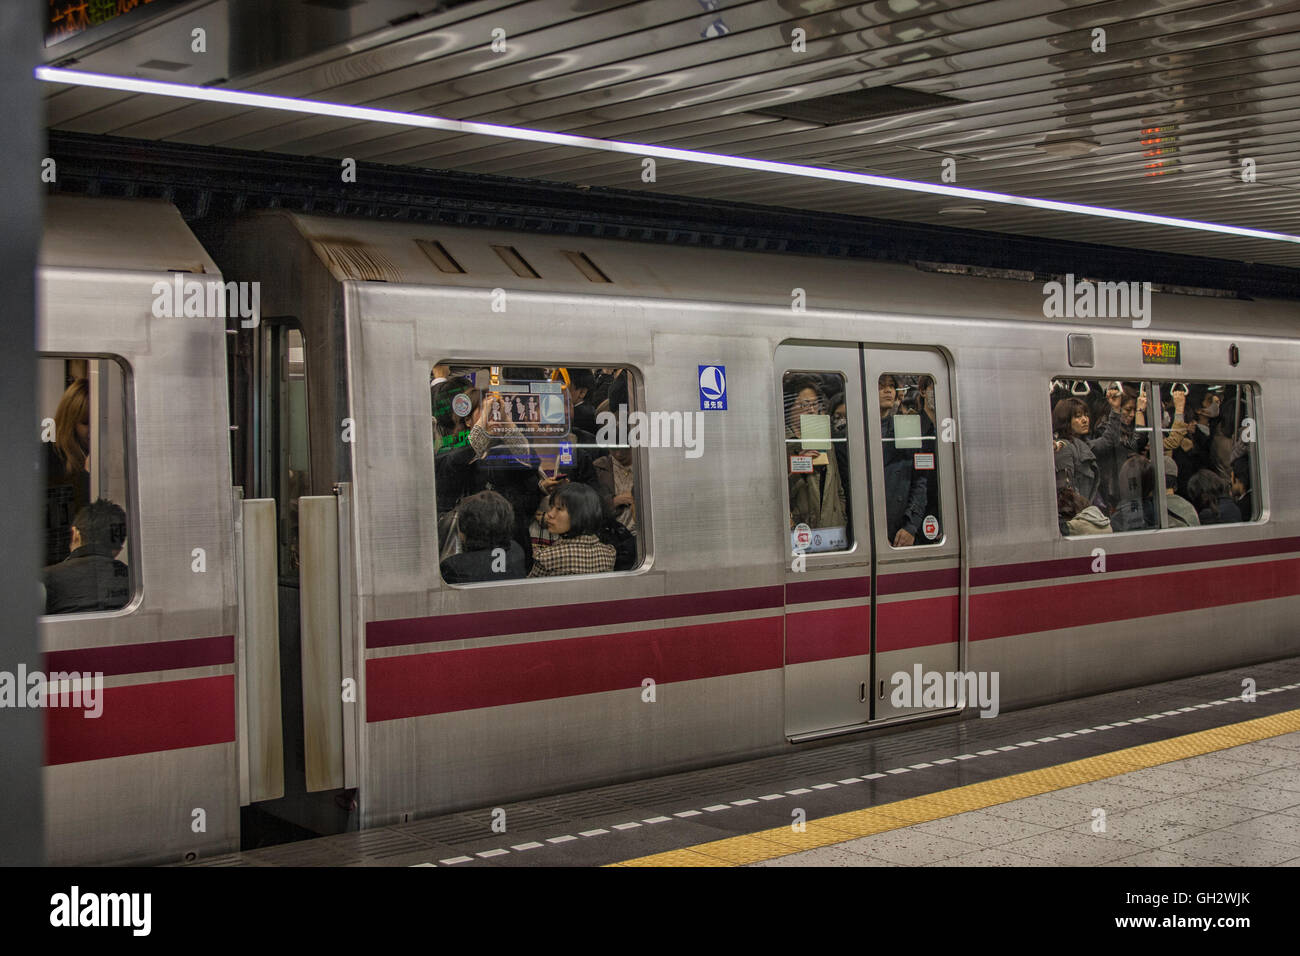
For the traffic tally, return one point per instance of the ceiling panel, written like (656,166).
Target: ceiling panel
(1158,122)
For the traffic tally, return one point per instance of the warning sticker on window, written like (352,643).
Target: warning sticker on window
(923,461)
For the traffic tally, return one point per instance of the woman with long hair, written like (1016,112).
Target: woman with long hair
(67,469)
(1079,458)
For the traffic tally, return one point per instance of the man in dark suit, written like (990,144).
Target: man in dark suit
(91,578)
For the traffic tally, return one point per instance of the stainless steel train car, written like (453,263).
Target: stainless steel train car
(322,671)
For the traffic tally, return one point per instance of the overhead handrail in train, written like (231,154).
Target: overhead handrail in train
(1076,390)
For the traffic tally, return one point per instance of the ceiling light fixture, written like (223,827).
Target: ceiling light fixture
(367,114)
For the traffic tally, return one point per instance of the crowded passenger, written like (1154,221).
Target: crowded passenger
(1212,495)
(1193,453)
(1076,516)
(1135,505)
(67,469)
(581,382)
(1079,458)
(503,463)
(574,517)
(1133,438)
(1182,514)
(817,497)
(906,489)
(91,578)
(614,482)
(1241,488)
(488,551)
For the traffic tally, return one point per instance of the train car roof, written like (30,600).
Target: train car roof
(137,235)
(466,257)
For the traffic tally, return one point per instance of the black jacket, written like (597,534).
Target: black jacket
(89,579)
(470,566)
(65,495)
(906,489)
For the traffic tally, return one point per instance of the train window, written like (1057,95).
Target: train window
(1105,476)
(86,565)
(1208,432)
(817,461)
(909,453)
(537,470)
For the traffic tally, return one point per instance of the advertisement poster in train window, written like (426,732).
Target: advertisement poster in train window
(537,409)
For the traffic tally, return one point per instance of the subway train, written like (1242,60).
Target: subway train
(289,652)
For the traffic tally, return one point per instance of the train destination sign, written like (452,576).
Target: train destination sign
(1155,352)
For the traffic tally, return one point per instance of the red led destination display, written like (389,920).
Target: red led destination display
(1156,352)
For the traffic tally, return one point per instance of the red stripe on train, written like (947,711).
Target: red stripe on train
(1129,561)
(1099,601)
(823,635)
(416,684)
(532,620)
(144,718)
(921,623)
(142,658)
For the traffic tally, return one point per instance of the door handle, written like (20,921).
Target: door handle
(862,693)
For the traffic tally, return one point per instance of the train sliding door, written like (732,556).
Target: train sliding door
(826,540)
(910,436)
(873,556)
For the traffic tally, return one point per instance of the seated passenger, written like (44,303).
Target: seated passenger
(1089,521)
(575,517)
(1181,512)
(817,498)
(1135,507)
(488,551)
(1210,492)
(91,578)
(1068,504)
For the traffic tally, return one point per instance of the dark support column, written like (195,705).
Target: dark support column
(21,734)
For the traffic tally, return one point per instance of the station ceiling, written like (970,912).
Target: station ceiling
(1180,108)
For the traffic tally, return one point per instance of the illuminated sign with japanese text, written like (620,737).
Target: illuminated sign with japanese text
(1155,352)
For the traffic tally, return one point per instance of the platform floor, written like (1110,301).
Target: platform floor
(1184,773)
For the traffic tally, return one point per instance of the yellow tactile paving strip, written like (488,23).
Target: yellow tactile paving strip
(769,844)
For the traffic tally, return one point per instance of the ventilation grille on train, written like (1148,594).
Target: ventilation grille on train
(588,268)
(857,105)
(439,256)
(517,263)
(349,259)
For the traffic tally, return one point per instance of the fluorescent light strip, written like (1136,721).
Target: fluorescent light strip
(367,114)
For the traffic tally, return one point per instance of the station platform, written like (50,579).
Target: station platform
(1184,773)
